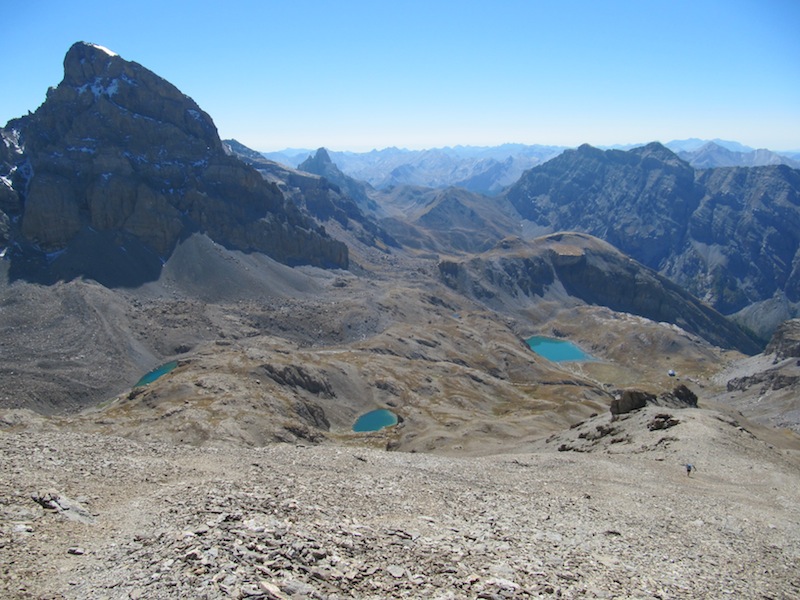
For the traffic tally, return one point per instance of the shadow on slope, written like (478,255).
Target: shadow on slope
(77,342)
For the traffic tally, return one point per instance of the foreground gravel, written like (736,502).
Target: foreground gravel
(94,516)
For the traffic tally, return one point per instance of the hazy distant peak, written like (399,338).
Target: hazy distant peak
(694,144)
(322,156)
(656,150)
(716,154)
(320,164)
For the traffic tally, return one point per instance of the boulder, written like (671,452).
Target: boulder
(785,342)
(630,400)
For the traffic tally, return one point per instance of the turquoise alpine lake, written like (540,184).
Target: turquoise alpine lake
(557,350)
(156,373)
(375,420)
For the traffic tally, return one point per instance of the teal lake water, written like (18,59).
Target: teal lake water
(557,350)
(156,373)
(375,420)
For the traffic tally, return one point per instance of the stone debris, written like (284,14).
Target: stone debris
(662,421)
(285,522)
(58,502)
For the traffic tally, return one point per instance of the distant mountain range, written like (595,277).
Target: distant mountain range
(727,235)
(479,169)
(490,169)
(712,154)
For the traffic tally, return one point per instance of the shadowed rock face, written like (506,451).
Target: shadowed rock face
(728,236)
(118,151)
(630,400)
(588,269)
(327,196)
(745,234)
(639,201)
(785,343)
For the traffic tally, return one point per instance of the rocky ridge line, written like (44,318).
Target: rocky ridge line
(118,158)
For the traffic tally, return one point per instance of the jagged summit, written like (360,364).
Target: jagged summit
(117,166)
(321,156)
(321,164)
(85,61)
(95,71)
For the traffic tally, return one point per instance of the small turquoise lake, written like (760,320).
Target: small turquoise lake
(156,373)
(557,350)
(375,420)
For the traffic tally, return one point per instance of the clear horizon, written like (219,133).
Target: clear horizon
(358,76)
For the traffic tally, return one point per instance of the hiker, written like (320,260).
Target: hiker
(689,469)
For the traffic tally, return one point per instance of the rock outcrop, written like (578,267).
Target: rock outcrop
(119,155)
(766,387)
(785,342)
(630,400)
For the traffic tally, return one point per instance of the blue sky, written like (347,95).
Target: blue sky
(358,75)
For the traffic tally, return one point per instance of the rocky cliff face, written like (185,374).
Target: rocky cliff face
(121,156)
(590,271)
(785,342)
(325,195)
(729,236)
(639,201)
(743,239)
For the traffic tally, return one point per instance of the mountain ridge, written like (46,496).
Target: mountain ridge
(727,235)
(490,169)
(118,162)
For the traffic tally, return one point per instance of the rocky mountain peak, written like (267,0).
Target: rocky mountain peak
(321,164)
(118,159)
(322,156)
(85,62)
(637,200)
(588,150)
(657,151)
(94,76)
(728,236)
